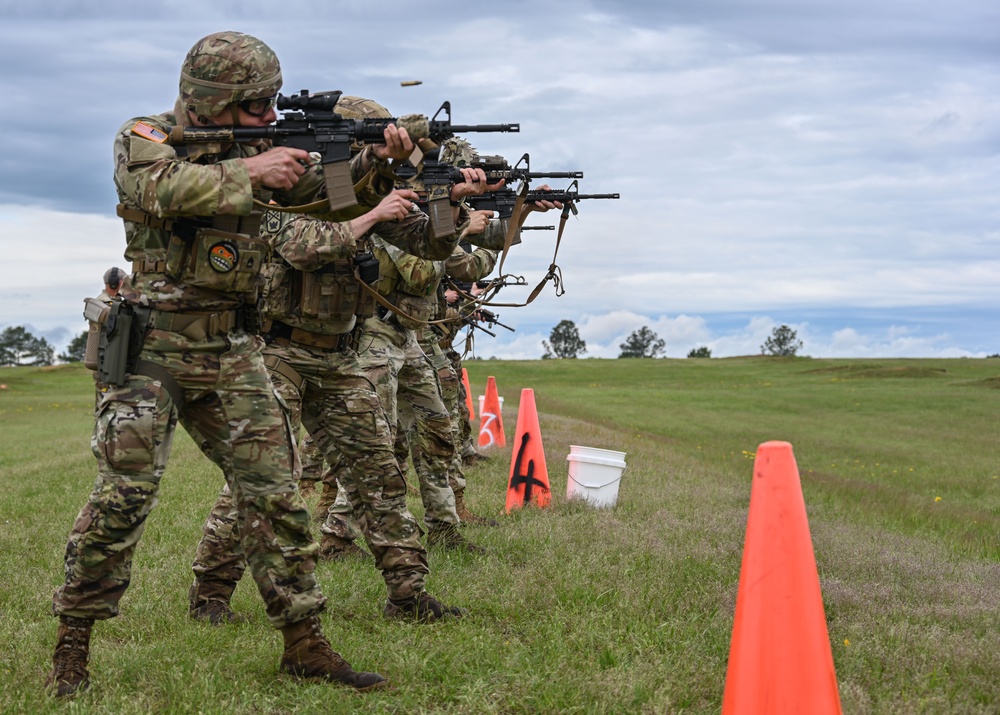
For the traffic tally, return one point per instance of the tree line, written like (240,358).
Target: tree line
(20,347)
(565,342)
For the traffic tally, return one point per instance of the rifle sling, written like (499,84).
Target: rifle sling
(161,375)
(381,300)
(554,272)
(515,224)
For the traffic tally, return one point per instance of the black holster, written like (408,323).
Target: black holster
(120,344)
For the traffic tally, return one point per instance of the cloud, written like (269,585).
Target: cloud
(774,158)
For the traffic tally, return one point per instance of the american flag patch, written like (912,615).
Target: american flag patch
(149,132)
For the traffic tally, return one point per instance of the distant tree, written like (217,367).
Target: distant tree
(783,342)
(702,352)
(642,343)
(564,342)
(77,348)
(19,347)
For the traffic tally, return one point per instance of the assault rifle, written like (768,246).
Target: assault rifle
(466,286)
(502,200)
(496,168)
(313,124)
(484,316)
(433,180)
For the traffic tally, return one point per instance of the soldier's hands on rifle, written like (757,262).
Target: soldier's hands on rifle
(398,144)
(277,168)
(478,221)
(396,206)
(541,206)
(474,184)
(451,296)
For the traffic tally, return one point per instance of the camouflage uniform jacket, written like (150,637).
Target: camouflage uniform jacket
(201,181)
(492,238)
(312,266)
(416,289)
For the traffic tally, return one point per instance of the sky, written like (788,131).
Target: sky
(829,165)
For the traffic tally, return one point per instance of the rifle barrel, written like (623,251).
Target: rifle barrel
(553,174)
(463,128)
(565,196)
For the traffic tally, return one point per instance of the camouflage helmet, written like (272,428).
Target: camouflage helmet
(225,68)
(360,108)
(457,152)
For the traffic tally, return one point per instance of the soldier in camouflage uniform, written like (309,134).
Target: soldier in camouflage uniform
(460,412)
(403,373)
(468,263)
(465,266)
(310,303)
(191,227)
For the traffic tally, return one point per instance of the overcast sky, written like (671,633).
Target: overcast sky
(830,165)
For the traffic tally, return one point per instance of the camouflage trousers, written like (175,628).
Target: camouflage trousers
(460,411)
(313,462)
(316,476)
(450,383)
(402,374)
(233,415)
(341,411)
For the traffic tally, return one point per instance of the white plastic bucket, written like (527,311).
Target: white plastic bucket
(594,475)
(482,401)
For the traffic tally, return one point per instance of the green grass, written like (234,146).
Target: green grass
(574,610)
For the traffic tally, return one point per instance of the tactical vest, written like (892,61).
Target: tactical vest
(332,293)
(408,282)
(223,253)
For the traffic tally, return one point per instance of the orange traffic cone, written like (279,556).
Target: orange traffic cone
(468,394)
(529,479)
(490,419)
(779,657)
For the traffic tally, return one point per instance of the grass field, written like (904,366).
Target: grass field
(574,610)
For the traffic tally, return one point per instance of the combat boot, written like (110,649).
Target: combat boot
(217,613)
(308,654)
(69,663)
(209,601)
(423,608)
(467,516)
(327,497)
(473,458)
(336,548)
(449,537)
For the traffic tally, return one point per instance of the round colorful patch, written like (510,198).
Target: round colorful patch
(223,257)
